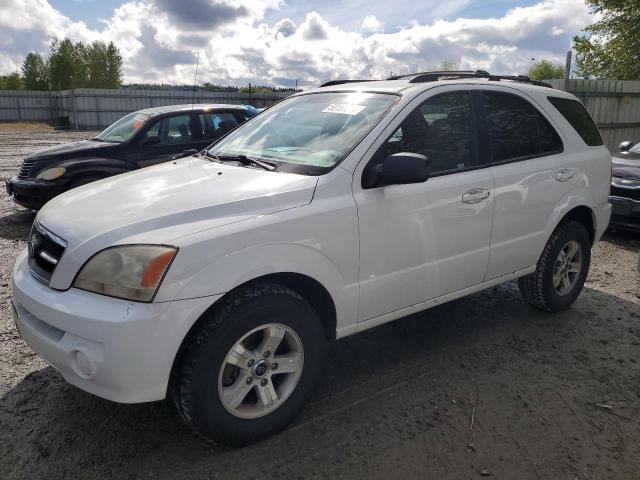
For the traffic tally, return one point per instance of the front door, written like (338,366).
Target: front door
(421,241)
(168,136)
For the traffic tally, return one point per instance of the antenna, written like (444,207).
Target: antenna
(195,81)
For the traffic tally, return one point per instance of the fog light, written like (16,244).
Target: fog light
(82,364)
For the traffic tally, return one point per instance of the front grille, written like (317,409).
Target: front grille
(25,168)
(45,251)
(632,193)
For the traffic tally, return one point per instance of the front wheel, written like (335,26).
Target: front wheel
(250,366)
(561,270)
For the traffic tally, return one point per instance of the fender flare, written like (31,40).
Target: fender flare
(579,197)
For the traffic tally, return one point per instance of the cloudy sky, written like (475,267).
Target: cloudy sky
(281,41)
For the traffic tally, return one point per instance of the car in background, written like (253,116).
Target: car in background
(139,139)
(625,187)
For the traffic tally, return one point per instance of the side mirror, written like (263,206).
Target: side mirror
(186,153)
(626,145)
(403,168)
(152,140)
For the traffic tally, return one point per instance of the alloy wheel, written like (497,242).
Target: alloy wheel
(260,371)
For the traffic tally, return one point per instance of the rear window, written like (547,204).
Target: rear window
(579,118)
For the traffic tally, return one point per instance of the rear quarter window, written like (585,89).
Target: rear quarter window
(575,113)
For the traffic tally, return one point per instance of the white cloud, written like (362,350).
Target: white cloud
(159,40)
(371,24)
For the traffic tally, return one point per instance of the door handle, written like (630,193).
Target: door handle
(475,195)
(565,174)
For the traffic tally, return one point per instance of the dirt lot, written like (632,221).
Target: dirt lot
(555,396)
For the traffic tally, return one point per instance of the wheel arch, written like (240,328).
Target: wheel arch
(307,287)
(97,167)
(581,214)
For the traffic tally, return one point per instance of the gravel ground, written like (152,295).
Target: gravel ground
(481,387)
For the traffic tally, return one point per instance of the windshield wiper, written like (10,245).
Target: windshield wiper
(244,160)
(96,139)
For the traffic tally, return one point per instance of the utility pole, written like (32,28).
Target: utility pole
(195,80)
(567,67)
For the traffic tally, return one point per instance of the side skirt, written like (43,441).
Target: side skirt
(418,307)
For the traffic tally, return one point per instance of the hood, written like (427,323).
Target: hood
(73,149)
(162,203)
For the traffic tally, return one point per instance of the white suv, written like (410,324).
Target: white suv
(217,280)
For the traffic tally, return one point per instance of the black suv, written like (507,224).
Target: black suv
(137,140)
(625,187)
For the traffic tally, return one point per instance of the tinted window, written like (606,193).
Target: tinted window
(579,118)
(441,129)
(516,128)
(215,125)
(172,130)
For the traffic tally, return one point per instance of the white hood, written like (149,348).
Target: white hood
(162,203)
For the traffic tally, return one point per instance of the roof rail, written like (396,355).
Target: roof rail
(342,82)
(434,76)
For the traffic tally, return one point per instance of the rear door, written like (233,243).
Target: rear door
(215,125)
(524,156)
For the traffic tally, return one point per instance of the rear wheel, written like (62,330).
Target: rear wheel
(561,270)
(250,366)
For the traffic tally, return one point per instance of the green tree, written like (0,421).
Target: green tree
(113,78)
(12,81)
(96,64)
(545,70)
(67,64)
(35,72)
(613,48)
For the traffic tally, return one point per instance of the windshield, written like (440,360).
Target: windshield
(123,129)
(309,133)
(635,148)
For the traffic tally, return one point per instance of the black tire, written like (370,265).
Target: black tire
(195,384)
(538,289)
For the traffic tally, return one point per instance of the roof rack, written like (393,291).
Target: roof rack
(434,76)
(341,82)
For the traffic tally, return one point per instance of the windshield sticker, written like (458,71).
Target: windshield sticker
(344,108)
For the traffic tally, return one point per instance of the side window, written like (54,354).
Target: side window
(177,129)
(153,130)
(172,130)
(516,128)
(215,125)
(440,128)
(579,118)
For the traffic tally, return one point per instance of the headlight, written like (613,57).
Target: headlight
(51,173)
(132,272)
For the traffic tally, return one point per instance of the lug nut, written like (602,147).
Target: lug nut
(264,382)
(266,354)
(251,362)
(274,366)
(249,381)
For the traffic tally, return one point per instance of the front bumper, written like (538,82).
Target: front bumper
(116,349)
(625,213)
(32,193)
